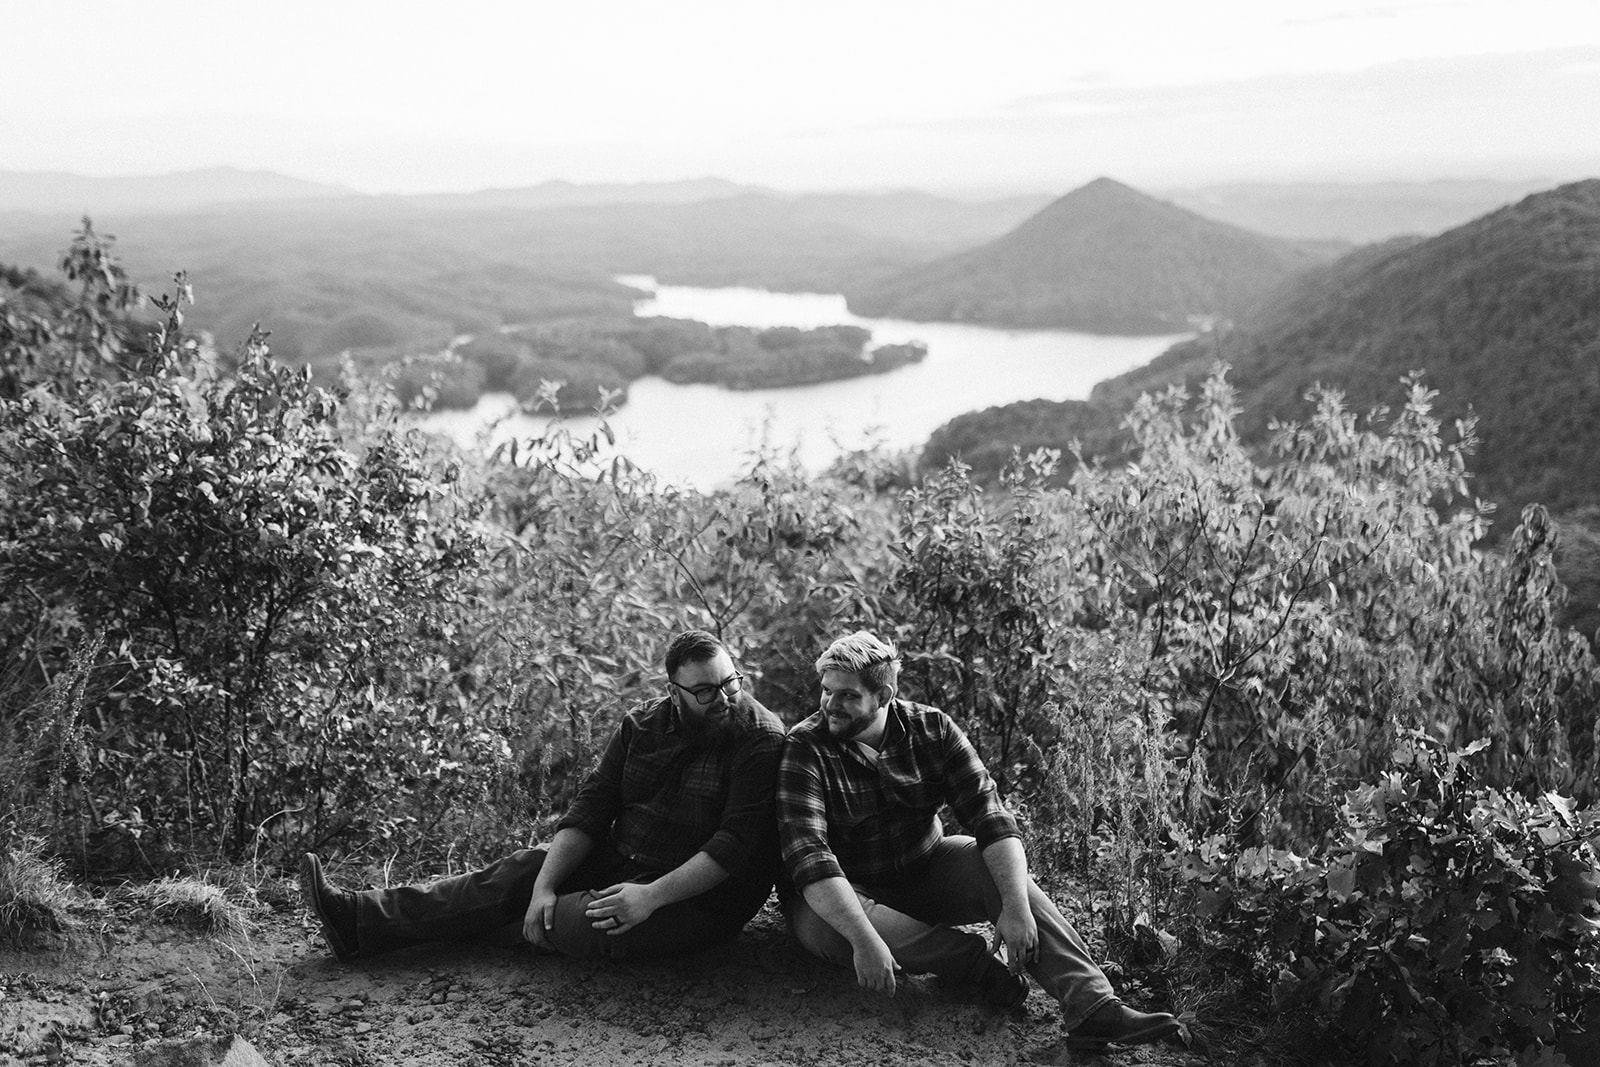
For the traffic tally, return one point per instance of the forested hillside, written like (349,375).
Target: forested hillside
(1329,770)
(1501,315)
(1103,259)
(414,272)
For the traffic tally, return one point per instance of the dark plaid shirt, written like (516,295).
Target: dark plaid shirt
(658,800)
(840,815)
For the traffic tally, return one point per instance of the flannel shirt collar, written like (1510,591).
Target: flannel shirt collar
(895,730)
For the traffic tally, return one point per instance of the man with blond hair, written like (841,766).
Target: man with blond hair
(668,847)
(881,888)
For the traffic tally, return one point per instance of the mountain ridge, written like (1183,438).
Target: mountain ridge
(1501,315)
(61,191)
(1104,258)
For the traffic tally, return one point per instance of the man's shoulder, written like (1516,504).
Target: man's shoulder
(811,730)
(923,719)
(763,724)
(653,715)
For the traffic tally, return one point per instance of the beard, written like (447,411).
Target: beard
(703,728)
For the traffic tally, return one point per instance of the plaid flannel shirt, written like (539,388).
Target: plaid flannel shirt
(840,816)
(658,800)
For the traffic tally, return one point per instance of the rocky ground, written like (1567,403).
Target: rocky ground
(143,992)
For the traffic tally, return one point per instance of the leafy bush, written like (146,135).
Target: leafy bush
(1443,920)
(248,570)
(1297,611)
(981,601)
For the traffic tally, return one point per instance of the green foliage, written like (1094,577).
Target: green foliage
(1297,613)
(1512,289)
(980,601)
(1102,798)
(1443,920)
(1578,565)
(49,334)
(985,440)
(246,567)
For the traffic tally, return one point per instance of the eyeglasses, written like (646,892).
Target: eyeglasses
(729,687)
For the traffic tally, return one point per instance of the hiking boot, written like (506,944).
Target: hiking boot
(1116,1023)
(335,908)
(999,988)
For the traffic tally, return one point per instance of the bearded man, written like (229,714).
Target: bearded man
(882,888)
(669,846)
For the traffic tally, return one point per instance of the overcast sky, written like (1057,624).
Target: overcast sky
(405,96)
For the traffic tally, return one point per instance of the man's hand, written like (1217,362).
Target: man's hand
(619,908)
(875,966)
(540,918)
(1020,933)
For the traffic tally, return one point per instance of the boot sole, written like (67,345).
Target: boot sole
(1149,1034)
(312,884)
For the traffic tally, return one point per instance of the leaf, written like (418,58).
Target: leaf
(1541,1055)
(1562,806)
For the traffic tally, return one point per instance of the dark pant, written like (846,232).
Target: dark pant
(915,914)
(493,902)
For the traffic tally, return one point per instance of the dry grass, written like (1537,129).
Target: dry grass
(195,903)
(34,893)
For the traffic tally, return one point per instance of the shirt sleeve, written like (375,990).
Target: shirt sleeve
(599,798)
(744,838)
(971,793)
(803,816)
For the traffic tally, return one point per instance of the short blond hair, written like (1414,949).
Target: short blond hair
(875,661)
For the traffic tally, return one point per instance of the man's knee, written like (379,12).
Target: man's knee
(573,933)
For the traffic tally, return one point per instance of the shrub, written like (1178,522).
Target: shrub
(1296,612)
(249,570)
(981,601)
(1444,919)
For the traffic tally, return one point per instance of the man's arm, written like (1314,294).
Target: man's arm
(744,838)
(631,903)
(803,828)
(972,795)
(744,832)
(586,821)
(570,848)
(837,903)
(1008,866)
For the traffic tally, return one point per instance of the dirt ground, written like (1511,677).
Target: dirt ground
(141,992)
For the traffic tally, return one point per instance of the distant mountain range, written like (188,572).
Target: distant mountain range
(1501,314)
(77,194)
(1348,211)
(1105,258)
(1351,212)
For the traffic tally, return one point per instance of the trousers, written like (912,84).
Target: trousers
(492,902)
(915,913)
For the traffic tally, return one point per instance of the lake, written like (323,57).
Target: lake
(703,435)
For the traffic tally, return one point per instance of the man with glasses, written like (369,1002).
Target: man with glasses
(880,886)
(670,844)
